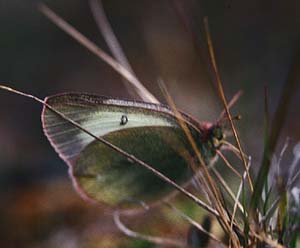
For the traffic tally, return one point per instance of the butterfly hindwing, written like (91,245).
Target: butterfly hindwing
(150,132)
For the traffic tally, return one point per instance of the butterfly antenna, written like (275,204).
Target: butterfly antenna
(226,119)
(92,47)
(233,101)
(152,239)
(223,98)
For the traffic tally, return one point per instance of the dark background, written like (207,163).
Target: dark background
(254,42)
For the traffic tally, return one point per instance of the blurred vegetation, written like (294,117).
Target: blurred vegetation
(254,43)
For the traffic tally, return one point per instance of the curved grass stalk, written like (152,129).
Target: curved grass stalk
(112,42)
(153,239)
(234,149)
(92,47)
(105,28)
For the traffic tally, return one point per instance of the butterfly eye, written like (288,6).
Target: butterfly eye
(217,133)
(124,120)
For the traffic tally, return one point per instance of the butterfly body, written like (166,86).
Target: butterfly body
(150,132)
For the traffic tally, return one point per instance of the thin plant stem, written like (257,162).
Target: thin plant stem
(92,47)
(223,98)
(232,148)
(227,188)
(112,42)
(105,28)
(153,239)
(233,100)
(228,164)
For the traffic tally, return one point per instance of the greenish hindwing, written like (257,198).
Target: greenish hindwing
(150,132)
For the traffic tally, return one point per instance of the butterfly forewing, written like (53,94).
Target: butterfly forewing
(96,114)
(150,132)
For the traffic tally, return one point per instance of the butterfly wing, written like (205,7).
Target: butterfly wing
(150,132)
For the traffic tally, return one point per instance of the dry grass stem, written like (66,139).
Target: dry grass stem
(92,47)
(223,98)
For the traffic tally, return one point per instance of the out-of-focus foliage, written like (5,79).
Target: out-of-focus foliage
(254,42)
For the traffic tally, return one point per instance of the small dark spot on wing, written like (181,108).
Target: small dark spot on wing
(124,120)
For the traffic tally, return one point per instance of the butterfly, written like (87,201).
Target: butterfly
(150,132)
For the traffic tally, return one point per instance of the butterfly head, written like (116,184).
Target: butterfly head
(216,136)
(218,131)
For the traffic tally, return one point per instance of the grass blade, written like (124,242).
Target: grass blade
(281,112)
(92,47)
